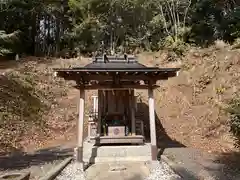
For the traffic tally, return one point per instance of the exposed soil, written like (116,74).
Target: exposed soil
(188,106)
(44,106)
(191,106)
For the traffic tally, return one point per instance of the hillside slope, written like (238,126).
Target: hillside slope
(191,106)
(36,108)
(39,110)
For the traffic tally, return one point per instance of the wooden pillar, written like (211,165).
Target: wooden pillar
(133,120)
(80,126)
(95,104)
(152,123)
(100,108)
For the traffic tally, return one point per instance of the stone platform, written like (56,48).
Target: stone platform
(137,139)
(92,154)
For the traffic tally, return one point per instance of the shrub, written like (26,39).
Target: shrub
(178,46)
(234,111)
(9,43)
(220,44)
(236,44)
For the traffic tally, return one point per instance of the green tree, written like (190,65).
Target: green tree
(234,110)
(9,42)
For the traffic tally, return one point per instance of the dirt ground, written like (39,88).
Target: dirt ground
(192,126)
(189,107)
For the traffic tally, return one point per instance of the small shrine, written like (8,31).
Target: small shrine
(112,119)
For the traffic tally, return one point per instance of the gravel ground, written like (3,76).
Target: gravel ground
(72,172)
(158,171)
(161,171)
(40,170)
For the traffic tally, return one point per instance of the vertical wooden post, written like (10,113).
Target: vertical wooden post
(95,104)
(80,126)
(152,123)
(100,108)
(132,100)
(89,127)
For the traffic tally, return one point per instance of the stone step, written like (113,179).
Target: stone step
(116,153)
(117,159)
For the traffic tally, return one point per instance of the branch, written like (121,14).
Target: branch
(170,10)
(177,12)
(175,19)
(164,19)
(186,11)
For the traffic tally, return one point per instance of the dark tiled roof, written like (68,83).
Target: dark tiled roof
(115,65)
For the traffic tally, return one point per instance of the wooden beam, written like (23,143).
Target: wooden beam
(95,76)
(109,77)
(80,126)
(152,123)
(123,77)
(111,87)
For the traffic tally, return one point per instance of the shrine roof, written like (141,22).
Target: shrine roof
(116,64)
(115,69)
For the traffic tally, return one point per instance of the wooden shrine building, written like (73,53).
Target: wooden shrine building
(115,78)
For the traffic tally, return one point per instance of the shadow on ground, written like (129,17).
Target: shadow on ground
(163,140)
(21,161)
(136,177)
(225,166)
(93,154)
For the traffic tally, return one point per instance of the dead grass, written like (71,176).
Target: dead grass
(36,105)
(40,109)
(190,106)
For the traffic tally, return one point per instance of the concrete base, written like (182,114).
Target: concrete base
(117,171)
(137,139)
(92,154)
(78,152)
(154,152)
(117,159)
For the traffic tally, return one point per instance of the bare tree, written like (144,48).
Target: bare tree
(170,11)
